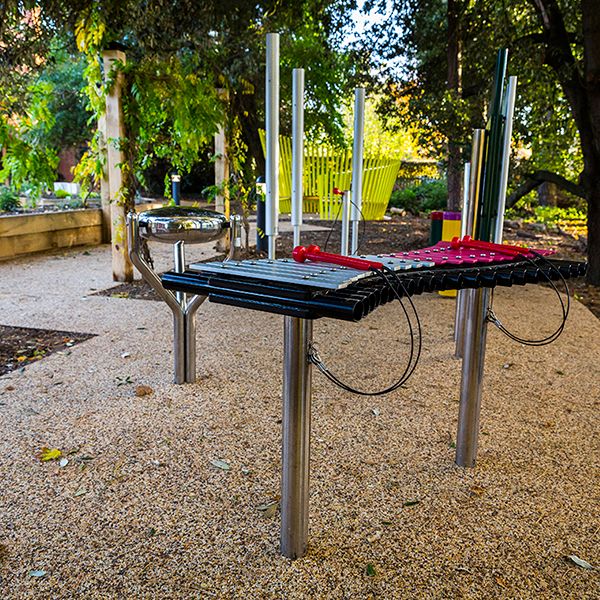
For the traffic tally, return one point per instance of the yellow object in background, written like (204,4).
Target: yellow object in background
(450,229)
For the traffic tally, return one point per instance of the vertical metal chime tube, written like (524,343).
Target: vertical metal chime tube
(346,198)
(511,93)
(357,164)
(463,231)
(272,142)
(474,188)
(295,470)
(297,151)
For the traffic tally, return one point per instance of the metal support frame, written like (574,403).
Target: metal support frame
(489,227)
(295,467)
(477,302)
(184,310)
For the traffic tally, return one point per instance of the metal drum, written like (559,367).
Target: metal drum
(181,223)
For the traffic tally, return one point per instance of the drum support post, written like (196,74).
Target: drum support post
(477,302)
(183,308)
(295,468)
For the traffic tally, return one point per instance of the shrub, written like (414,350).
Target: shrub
(426,196)
(9,200)
(60,194)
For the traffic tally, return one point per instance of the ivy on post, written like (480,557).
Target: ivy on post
(221,163)
(115,132)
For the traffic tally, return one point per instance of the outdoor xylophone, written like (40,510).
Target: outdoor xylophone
(315,285)
(311,290)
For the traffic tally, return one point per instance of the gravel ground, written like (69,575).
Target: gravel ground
(140,511)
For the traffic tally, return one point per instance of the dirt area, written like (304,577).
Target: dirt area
(405,233)
(20,346)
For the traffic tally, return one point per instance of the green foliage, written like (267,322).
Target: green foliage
(60,194)
(424,197)
(544,133)
(66,102)
(30,161)
(171,112)
(9,200)
(549,215)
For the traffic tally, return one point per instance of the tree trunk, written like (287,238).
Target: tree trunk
(454,173)
(591,149)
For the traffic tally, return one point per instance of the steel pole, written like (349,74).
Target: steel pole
(463,231)
(179,262)
(474,186)
(357,164)
(272,142)
(297,151)
(295,469)
(472,377)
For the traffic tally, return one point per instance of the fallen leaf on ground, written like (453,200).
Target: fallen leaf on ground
(370,570)
(220,464)
(80,492)
(374,537)
(126,355)
(376,411)
(63,462)
(411,502)
(143,390)
(268,509)
(46,454)
(37,573)
(584,564)
(477,490)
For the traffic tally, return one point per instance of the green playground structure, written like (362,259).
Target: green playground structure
(326,167)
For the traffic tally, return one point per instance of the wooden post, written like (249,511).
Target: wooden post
(115,130)
(104,188)
(221,163)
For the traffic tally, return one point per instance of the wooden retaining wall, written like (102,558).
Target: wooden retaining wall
(24,234)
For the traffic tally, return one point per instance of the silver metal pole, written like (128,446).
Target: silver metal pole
(179,261)
(190,337)
(472,377)
(297,151)
(345,222)
(474,187)
(295,470)
(475,343)
(272,142)
(463,231)
(357,164)
(235,236)
(181,340)
(511,93)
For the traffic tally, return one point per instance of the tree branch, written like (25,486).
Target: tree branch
(535,179)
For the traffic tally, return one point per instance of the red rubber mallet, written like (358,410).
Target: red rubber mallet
(467,242)
(301,253)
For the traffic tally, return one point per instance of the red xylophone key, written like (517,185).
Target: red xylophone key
(301,253)
(468,242)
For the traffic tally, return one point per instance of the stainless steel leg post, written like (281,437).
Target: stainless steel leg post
(477,302)
(295,467)
(179,262)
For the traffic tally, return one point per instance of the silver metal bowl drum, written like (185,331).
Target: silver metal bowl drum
(171,224)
